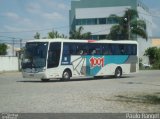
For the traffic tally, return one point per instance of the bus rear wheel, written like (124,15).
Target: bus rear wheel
(66,75)
(118,72)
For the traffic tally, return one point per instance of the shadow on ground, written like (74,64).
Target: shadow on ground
(73,79)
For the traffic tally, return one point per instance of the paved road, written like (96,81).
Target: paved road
(82,95)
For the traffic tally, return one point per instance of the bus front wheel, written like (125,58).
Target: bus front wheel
(45,80)
(66,75)
(118,72)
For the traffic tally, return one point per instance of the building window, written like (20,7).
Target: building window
(96,21)
(91,21)
(94,37)
(102,37)
(102,21)
(112,21)
(84,22)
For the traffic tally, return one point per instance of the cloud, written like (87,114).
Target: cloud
(34,8)
(53,16)
(156,11)
(63,6)
(56,5)
(44,13)
(12,15)
(13,28)
(16,22)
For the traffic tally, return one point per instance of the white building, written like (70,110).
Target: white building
(11,51)
(93,16)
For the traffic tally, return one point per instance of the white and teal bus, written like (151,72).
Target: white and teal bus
(63,58)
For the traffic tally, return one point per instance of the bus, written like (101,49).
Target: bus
(47,59)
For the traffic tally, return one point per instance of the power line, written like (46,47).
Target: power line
(50,28)
(35,30)
(12,37)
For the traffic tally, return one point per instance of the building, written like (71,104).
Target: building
(93,16)
(156,42)
(12,51)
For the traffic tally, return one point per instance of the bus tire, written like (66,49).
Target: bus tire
(118,72)
(66,74)
(45,80)
(98,77)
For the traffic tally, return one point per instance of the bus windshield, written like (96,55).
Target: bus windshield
(35,55)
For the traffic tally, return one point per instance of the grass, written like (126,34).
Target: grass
(152,99)
(149,99)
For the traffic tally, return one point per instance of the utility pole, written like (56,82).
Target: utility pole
(129,35)
(13,46)
(20,43)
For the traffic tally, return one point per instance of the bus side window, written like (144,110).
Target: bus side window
(80,52)
(93,52)
(94,49)
(66,50)
(54,55)
(81,49)
(134,48)
(122,49)
(106,49)
(72,48)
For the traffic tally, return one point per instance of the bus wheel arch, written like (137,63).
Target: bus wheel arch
(67,74)
(118,72)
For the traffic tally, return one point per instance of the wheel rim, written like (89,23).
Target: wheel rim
(118,73)
(66,75)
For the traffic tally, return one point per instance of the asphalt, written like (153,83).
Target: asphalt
(86,95)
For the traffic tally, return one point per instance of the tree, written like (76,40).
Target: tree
(3,49)
(37,35)
(128,26)
(54,34)
(154,54)
(51,35)
(77,34)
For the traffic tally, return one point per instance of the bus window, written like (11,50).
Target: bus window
(107,49)
(95,49)
(66,49)
(54,55)
(122,50)
(82,49)
(134,49)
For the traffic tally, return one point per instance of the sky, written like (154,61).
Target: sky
(21,19)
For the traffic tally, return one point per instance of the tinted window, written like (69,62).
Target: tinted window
(102,21)
(119,49)
(75,49)
(54,55)
(94,49)
(99,49)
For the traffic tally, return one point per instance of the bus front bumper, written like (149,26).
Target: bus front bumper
(39,75)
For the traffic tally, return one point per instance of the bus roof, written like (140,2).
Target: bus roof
(84,41)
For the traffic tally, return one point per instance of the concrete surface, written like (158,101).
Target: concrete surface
(78,95)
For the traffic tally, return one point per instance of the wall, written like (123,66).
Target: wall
(99,12)
(8,63)
(75,4)
(145,15)
(156,42)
